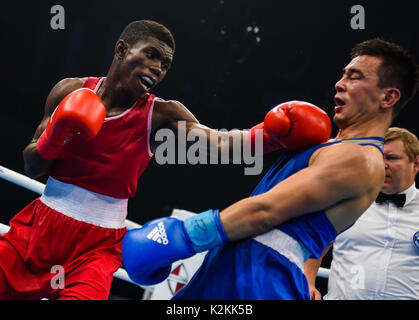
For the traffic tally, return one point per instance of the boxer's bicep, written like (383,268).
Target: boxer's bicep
(338,174)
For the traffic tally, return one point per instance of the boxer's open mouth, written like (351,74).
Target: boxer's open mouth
(147,81)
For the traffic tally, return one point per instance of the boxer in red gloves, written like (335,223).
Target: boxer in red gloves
(95,140)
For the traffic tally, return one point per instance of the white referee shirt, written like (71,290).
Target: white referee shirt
(376,258)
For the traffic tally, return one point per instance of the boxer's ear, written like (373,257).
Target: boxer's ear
(121,49)
(390,98)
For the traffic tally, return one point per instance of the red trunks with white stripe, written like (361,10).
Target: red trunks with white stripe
(49,254)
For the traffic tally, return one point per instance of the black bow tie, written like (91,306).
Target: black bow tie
(398,199)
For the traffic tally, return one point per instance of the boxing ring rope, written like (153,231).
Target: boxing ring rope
(38,187)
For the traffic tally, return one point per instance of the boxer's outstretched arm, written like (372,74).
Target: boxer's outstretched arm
(342,179)
(295,125)
(174,116)
(35,165)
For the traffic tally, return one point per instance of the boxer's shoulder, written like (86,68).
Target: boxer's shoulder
(349,162)
(68,85)
(167,106)
(61,89)
(341,152)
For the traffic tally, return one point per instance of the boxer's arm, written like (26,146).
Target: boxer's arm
(35,165)
(341,179)
(174,116)
(311,268)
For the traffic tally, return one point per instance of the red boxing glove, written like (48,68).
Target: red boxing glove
(80,112)
(269,143)
(295,125)
(310,125)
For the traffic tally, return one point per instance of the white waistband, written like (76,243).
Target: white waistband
(85,205)
(284,245)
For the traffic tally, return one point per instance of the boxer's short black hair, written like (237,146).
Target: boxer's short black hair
(398,68)
(143,29)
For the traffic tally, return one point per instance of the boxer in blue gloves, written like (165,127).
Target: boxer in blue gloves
(258,246)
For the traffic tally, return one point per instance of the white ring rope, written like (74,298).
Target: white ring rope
(38,187)
(21,180)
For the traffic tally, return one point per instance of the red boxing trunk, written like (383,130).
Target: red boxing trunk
(41,238)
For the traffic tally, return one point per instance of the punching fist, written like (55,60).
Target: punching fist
(148,252)
(294,125)
(80,112)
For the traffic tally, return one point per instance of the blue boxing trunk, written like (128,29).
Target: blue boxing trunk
(268,266)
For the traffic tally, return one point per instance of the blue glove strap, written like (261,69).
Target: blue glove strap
(205,230)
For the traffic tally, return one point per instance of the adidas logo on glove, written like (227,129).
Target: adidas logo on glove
(158,234)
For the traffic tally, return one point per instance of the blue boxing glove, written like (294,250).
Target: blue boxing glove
(149,252)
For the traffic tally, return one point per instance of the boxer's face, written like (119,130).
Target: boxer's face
(400,170)
(144,64)
(358,96)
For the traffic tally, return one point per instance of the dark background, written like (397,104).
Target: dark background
(228,77)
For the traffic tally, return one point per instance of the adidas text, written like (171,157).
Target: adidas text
(158,234)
